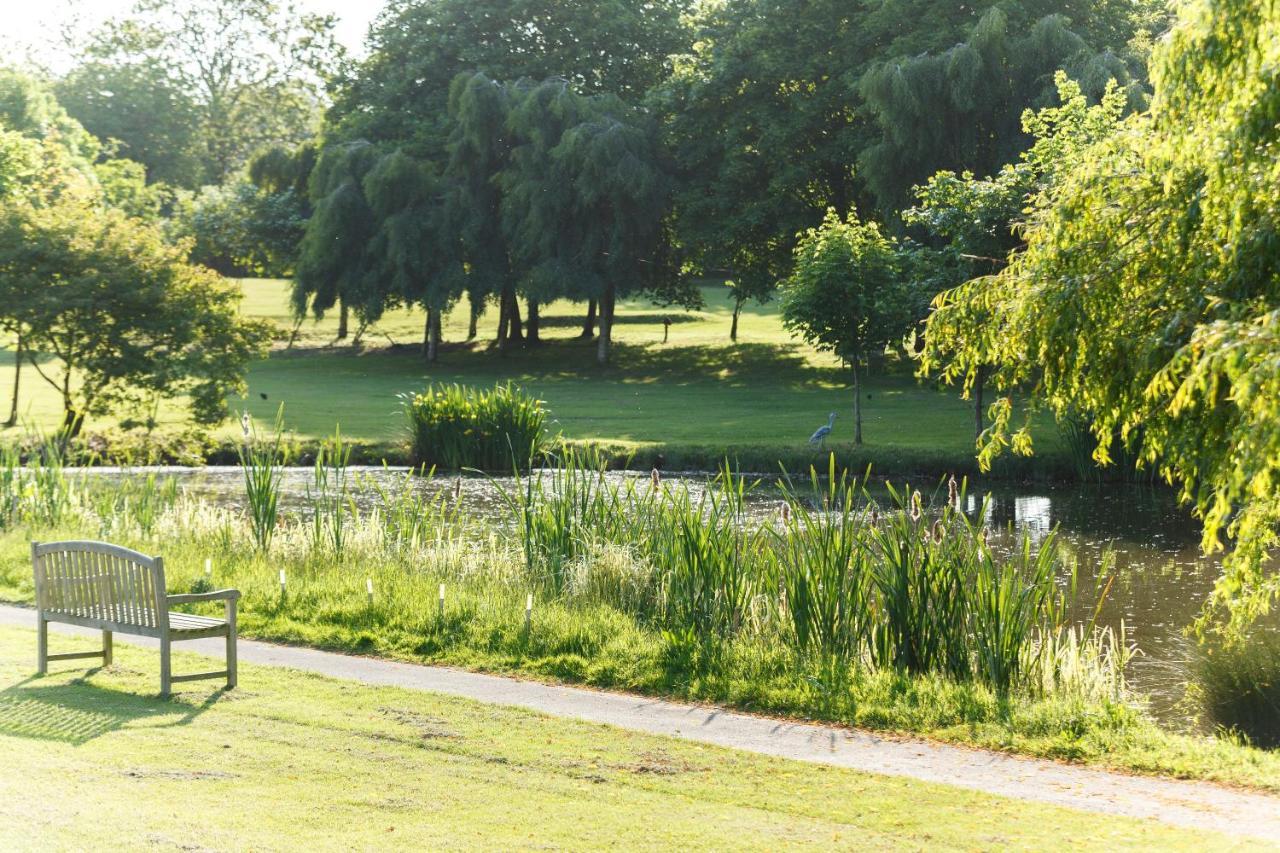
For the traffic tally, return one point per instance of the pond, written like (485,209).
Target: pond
(1160,578)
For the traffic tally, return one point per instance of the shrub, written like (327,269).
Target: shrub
(1239,686)
(454,427)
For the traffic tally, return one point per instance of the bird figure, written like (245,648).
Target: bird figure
(819,436)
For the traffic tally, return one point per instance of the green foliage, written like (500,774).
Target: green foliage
(27,106)
(238,229)
(963,106)
(1237,685)
(847,294)
(142,111)
(400,94)
(123,185)
(126,319)
(1146,299)
(455,427)
(226,79)
(785,108)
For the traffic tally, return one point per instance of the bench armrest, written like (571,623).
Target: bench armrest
(216,595)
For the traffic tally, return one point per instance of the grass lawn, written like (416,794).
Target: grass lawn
(697,389)
(293,761)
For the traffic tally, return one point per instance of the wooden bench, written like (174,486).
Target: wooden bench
(113,589)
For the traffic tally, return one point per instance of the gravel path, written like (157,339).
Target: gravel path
(1199,805)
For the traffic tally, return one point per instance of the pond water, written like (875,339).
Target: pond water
(1160,577)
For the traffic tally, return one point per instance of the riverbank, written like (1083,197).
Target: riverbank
(604,623)
(115,448)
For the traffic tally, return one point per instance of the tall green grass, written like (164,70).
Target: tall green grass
(261,461)
(455,427)
(34,487)
(1238,684)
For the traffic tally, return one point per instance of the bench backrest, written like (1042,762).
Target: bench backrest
(96,580)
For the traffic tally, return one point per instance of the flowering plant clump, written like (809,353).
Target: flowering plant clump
(453,426)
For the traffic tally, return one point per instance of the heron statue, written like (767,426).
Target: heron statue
(819,436)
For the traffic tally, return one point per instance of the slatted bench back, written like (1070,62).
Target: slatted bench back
(99,581)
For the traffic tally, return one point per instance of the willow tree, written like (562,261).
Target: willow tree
(538,196)
(619,201)
(412,254)
(333,263)
(963,106)
(479,146)
(1148,296)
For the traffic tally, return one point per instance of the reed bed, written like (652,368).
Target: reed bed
(455,427)
(671,583)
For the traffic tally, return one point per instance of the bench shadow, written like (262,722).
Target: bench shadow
(77,712)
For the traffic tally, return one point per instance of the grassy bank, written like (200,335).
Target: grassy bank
(294,761)
(694,400)
(676,599)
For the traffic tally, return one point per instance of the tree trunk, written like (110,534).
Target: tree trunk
(514,328)
(344,320)
(72,420)
(532,331)
(978,380)
(857,403)
(427,351)
(733,330)
(17,379)
(589,324)
(433,335)
(477,308)
(504,319)
(606,325)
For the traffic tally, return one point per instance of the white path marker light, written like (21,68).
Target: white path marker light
(441,602)
(208,568)
(368,587)
(528,612)
(282,590)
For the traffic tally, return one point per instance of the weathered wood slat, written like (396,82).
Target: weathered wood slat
(198,676)
(76,655)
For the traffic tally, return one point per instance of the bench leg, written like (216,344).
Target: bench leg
(106,648)
(42,645)
(231,653)
(166,668)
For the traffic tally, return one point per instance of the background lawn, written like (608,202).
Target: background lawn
(697,389)
(292,761)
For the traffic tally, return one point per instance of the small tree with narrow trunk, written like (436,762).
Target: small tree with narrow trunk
(846,294)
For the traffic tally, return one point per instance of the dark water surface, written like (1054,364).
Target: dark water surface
(1152,546)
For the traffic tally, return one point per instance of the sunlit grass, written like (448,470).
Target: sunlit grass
(295,761)
(697,389)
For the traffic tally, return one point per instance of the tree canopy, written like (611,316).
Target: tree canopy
(125,317)
(217,80)
(1148,295)
(848,294)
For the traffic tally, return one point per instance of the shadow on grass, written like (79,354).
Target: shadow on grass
(572,321)
(78,712)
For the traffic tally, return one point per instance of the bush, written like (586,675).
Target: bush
(453,427)
(1239,686)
